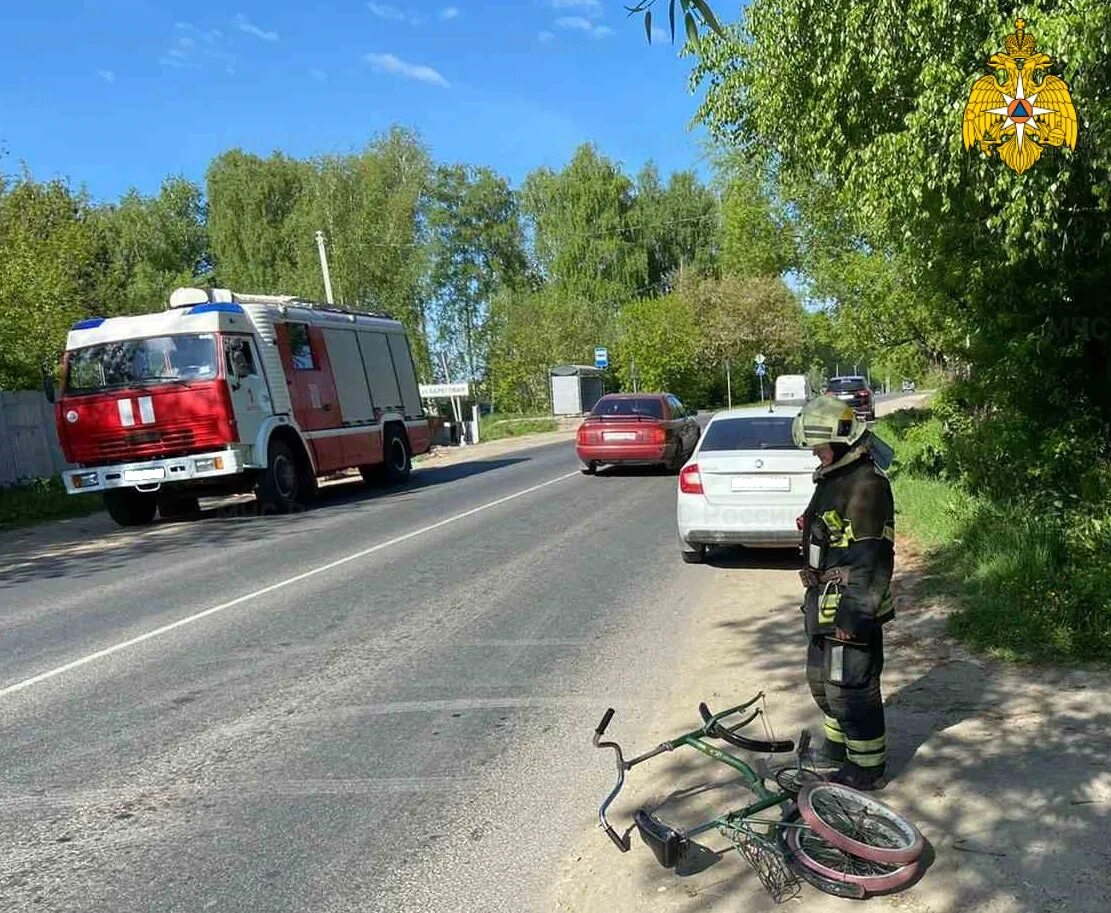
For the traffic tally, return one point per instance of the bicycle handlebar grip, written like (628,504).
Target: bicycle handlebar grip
(602,729)
(620,842)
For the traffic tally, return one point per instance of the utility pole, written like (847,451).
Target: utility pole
(728,385)
(324,267)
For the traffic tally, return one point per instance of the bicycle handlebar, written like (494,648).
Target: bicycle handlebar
(606,717)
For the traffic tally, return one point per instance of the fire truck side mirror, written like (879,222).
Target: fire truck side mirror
(48,386)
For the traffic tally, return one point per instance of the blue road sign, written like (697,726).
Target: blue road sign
(761,370)
(601,357)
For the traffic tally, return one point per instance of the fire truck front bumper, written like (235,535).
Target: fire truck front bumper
(152,474)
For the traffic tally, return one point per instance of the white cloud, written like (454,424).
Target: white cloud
(106,75)
(545,37)
(319,75)
(245,25)
(390,63)
(192,47)
(580,24)
(383,11)
(659,35)
(449,12)
(589,7)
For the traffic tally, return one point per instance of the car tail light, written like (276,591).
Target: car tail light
(865,393)
(690,480)
(582,434)
(657,435)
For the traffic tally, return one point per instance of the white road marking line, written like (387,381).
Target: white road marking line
(332,565)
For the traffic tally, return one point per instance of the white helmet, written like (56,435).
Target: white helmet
(826,420)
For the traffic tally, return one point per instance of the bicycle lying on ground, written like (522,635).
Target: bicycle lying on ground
(841,841)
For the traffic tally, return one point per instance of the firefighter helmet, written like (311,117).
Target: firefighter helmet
(826,420)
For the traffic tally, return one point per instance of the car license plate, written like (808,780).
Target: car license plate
(144,475)
(619,435)
(761,483)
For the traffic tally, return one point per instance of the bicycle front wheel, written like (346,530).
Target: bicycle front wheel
(834,864)
(858,824)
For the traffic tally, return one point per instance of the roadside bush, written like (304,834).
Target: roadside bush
(1026,554)
(37,500)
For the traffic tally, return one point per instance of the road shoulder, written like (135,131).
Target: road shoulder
(1002,767)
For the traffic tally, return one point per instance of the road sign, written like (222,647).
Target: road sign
(601,357)
(761,370)
(444,391)
(759,359)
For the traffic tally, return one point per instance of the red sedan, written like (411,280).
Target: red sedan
(637,429)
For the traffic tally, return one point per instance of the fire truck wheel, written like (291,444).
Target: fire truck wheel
(398,461)
(280,485)
(130,507)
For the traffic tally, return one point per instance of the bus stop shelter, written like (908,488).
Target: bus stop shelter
(575,388)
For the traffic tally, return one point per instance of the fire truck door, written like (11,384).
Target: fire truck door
(312,390)
(250,397)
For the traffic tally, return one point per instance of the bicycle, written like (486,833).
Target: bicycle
(839,840)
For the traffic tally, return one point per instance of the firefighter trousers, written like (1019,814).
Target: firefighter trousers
(844,677)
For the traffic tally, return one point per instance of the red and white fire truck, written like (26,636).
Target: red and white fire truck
(224,393)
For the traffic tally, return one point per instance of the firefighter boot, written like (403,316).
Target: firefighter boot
(856,777)
(828,754)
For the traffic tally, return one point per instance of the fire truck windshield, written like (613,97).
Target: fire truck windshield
(141,362)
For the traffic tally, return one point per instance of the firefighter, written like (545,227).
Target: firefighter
(848,547)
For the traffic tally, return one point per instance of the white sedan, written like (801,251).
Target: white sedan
(745,484)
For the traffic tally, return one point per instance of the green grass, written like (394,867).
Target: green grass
(40,500)
(1031,583)
(497,426)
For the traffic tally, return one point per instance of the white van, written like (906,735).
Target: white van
(792,389)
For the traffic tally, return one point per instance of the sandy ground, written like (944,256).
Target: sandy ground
(1003,767)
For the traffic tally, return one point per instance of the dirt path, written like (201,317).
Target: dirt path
(1004,768)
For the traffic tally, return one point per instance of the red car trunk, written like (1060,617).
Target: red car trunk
(145,422)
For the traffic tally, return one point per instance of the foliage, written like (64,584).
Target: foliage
(580,222)
(756,239)
(531,331)
(263,215)
(499,425)
(994,274)
(1030,574)
(695,13)
(659,341)
(38,500)
(51,261)
(154,245)
(677,225)
(477,247)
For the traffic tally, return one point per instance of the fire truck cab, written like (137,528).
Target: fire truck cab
(223,393)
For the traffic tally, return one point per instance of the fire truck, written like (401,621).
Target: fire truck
(230,393)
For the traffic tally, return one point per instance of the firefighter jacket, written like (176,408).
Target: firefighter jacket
(849,542)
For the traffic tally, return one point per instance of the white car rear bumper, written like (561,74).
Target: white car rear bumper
(771,525)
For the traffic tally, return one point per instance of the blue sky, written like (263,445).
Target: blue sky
(119,93)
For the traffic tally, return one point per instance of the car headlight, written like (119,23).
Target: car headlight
(209,464)
(85,480)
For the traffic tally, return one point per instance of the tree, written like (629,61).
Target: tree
(581,230)
(677,225)
(1002,272)
(741,318)
(658,345)
(756,241)
(50,267)
(477,247)
(155,244)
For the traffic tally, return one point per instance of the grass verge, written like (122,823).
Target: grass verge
(1030,584)
(40,500)
(495,427)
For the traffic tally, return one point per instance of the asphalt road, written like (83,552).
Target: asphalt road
(383,703)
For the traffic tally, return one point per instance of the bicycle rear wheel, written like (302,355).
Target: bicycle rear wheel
(858,824)
(833,864)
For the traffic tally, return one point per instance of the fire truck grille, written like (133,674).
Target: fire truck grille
(156,441)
